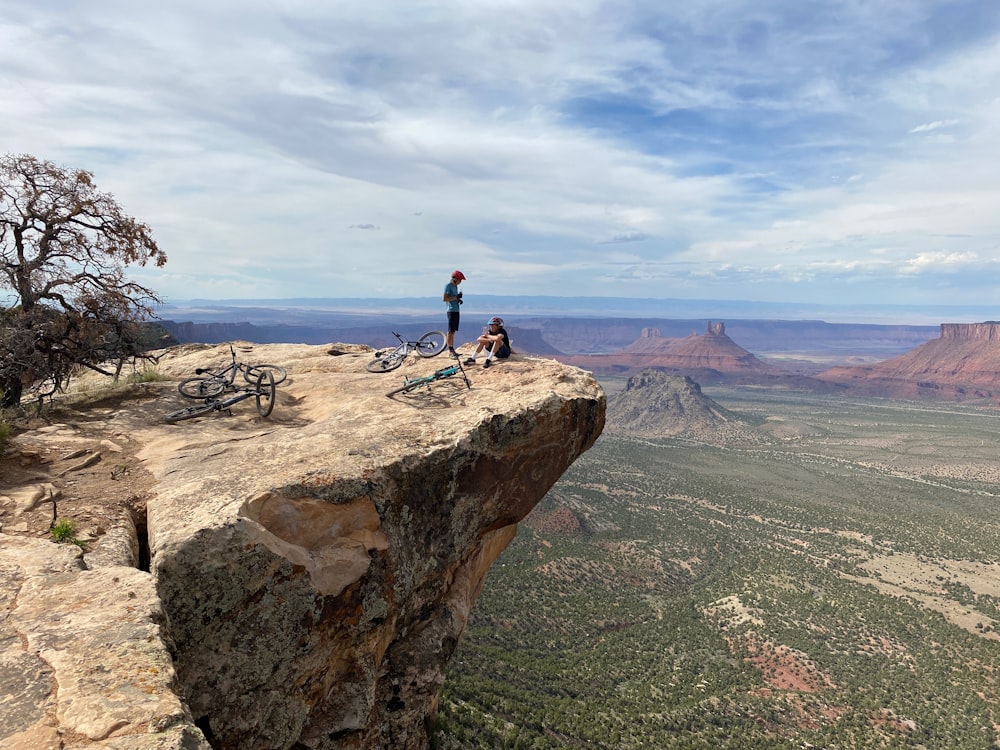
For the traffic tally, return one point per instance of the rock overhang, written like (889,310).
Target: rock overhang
(350,533)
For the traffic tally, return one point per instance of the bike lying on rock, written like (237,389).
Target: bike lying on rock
(262,389)
(429,345)
(412,384)
(208,384)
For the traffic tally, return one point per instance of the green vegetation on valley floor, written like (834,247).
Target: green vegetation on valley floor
(834,584)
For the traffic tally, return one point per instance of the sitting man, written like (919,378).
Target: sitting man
(496,339)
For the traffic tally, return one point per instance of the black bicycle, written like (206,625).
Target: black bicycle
(429,345)
(210,384)
(411,384)
(262,389)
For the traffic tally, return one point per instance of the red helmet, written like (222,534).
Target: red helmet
(458,275)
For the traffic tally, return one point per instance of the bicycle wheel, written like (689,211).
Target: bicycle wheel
(265,392)
(192,411)
(430,344)
(252,373)
(390,361)
(201,387)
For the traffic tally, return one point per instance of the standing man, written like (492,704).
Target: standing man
(453,298)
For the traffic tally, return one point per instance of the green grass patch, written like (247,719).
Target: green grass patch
(6,432)
(64,532)
(150,375)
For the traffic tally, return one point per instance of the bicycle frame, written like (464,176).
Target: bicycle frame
(227,375)
(411,384)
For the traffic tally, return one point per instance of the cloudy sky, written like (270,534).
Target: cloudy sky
(774,150)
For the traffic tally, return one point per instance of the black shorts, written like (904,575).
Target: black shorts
(452,321)
(504,352)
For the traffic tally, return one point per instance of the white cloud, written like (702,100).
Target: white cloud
(938,262)
(936,125)
(350,148)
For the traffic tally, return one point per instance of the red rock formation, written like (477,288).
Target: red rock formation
(988,331)
(713,350)
(963,363)
(706,357)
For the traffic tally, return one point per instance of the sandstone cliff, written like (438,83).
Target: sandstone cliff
(963,363)
(311,573)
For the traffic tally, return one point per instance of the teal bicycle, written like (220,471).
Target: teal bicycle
(411,384)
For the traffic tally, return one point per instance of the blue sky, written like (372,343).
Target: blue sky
(772,150)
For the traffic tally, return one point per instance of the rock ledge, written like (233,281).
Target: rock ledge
(311,572)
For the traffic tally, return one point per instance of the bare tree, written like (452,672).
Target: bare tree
(64,297)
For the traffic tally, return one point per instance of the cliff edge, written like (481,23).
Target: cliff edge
(309,574)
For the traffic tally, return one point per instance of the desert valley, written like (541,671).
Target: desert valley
(743,568)
(776,559)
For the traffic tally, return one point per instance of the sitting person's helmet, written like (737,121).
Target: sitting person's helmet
(496,322)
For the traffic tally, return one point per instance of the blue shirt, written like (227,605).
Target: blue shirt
(451,290)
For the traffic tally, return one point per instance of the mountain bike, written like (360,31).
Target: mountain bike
(429,345)
(262,390)
(445,372)
(210,384)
